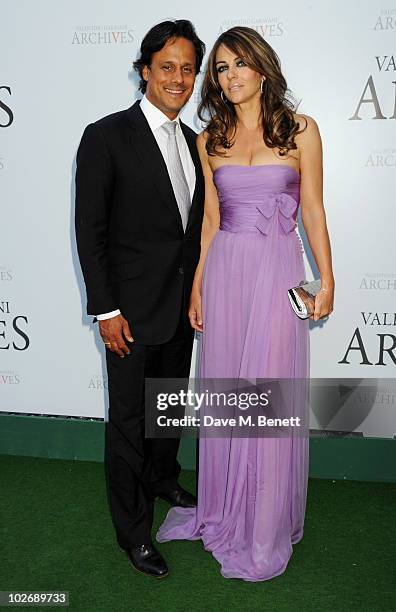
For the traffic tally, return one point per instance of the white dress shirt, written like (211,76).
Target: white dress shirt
(156,119)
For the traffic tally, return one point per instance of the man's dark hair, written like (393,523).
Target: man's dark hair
(156,39)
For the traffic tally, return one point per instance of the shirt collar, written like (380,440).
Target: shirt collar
(155,117)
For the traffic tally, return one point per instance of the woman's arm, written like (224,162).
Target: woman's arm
(210,226)
(313,213)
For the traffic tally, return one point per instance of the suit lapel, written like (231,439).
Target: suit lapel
(198,171)
(192,146)
(147,150)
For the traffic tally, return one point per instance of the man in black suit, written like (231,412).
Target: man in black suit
(139,208)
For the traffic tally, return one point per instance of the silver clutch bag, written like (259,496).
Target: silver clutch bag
(302,298)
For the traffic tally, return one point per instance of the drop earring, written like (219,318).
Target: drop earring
(262,84)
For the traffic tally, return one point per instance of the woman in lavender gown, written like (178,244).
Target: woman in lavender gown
(260,159)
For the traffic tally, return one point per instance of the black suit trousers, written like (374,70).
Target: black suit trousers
(138,468)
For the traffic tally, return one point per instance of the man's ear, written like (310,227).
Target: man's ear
(146,72)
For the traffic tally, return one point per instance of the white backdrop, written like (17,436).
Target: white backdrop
(65,64)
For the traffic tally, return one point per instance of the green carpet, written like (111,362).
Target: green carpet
(56,534)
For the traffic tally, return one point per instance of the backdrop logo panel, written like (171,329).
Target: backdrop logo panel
(6,114)
(266,26)
(378,97)
(378,281)
(103,35)
(373,341)
(386,20)
(9,377)
(98,382)
(359,407)
(381,158)
(13,328)
(6,275)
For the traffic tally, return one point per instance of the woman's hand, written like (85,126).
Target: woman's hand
(323,304)
(195,310)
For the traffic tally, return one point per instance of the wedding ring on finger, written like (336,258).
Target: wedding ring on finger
(107,343)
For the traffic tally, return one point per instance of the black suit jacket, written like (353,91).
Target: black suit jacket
(133,251)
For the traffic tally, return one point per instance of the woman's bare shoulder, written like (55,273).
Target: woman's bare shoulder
(201,146)
(202,137)
(308,126)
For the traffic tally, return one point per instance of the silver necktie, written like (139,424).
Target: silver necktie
(176,173)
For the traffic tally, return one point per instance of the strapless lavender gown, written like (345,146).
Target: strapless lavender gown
(251,491)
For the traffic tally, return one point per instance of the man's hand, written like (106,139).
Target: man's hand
(113,332)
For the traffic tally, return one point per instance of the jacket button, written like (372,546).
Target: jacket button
(181,271)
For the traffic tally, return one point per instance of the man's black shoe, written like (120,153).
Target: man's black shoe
(179,497)
(147,559)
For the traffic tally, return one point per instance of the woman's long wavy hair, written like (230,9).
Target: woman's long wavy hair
(277,104)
